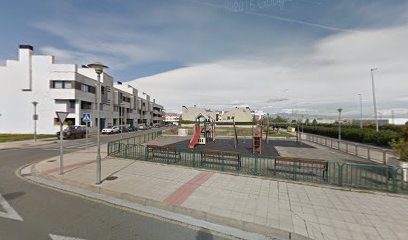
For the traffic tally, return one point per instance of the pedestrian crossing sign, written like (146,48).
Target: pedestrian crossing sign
(86,117)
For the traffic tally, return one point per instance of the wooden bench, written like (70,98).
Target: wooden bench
(229,159)
(298,166)
(163,152)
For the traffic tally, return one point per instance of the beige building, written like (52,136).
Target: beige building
(237,114)
(190,113)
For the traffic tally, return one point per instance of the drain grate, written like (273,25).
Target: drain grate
(52,160)
(111,178)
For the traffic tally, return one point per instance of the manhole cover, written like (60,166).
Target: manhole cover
(111,178)
(52,160)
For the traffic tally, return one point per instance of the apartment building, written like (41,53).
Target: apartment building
(172,118)
(69,88)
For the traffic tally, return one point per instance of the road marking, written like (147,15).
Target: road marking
(59,237)
(10,212)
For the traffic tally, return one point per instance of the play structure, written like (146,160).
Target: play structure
(203,131)
(257,133)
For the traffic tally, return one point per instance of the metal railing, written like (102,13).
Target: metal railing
(372,153)
(353,175)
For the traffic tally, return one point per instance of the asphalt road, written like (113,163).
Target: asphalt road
(47,211)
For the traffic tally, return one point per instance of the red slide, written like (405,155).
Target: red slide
(195,138)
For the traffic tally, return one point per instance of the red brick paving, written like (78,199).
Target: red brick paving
(183,192)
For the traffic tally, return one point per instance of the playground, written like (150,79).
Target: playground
(260,155)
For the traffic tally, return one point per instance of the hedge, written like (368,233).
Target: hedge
(382,138)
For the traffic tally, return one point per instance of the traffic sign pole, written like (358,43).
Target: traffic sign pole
(61,151)
(86,136)
(61,116)
(86,118)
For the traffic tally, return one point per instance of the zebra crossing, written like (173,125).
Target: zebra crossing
(69,144)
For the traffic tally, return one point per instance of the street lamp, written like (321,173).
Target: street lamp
(374,101)
(361,110)
(339,110)
(35,118)
(99,70)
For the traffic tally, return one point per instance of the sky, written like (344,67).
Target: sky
(306,56)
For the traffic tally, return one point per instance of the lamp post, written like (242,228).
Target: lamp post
(99,70)
(361,110)
(339,110)
(374,101)
(35,118)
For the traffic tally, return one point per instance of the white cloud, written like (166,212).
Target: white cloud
(328,76)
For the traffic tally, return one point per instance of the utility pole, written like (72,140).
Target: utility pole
(361,110)
(99,70)
(339,110)
(374,100)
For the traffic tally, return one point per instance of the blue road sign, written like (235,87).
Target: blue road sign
(86,117)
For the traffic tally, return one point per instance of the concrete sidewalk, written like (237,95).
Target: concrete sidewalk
(267,206)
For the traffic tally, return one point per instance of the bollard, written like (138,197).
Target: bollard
(356,150)
(368,153)
(385,157)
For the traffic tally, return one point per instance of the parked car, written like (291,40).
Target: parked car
(110,130)
(132,129)
(143,127)
(123,129)
(156,125)
(73,132)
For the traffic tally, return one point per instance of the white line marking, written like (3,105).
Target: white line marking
(59,237)
(10,212)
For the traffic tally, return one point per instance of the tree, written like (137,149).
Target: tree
(401,145)
(314,122)
(279,119)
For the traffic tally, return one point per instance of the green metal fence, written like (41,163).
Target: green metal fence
(365,176)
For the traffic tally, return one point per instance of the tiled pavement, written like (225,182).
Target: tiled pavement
(318,212)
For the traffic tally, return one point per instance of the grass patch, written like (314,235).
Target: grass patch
(20,137)
(279,134)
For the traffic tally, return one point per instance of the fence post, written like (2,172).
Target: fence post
(223,162)
(346,147)
(126,151)
(294,170)
(394,179)
(340,174)
(146,155)
(194,165)
(256,166)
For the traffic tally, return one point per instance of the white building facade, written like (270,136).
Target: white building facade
(67,88)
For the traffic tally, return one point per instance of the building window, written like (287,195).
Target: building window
(60,84)
(67,84)
(86,105)
(84,87)
(71,104)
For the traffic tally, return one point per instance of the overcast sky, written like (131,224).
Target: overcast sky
(312,56)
